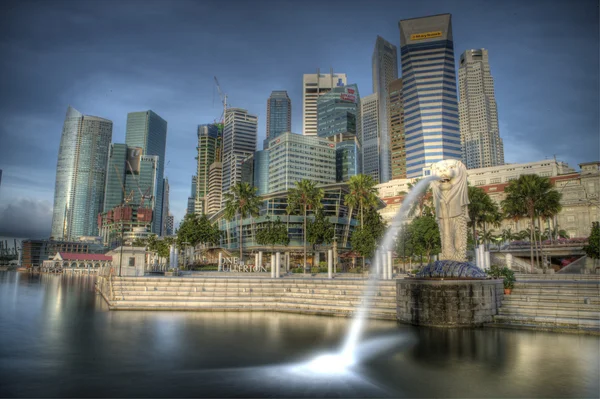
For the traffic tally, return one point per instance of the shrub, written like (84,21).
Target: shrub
(509,278)
(296,270)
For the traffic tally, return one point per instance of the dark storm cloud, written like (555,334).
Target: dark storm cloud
(26,218)
(108,58)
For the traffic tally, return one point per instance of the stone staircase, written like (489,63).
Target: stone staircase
(555,303)
(336,297)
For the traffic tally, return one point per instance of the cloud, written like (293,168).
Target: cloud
(26,218)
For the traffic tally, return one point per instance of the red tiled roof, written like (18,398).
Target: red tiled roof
(93,257)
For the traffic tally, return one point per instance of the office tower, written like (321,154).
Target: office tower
(479,133)
(191,204)
(209,142)
(279,114)
(170,225)
(396,112)
(239,142)
(148,131)
(385,70)
(431,125)
(261,172)
(165,205)
(338,113)
(115,176)
(80,175)
(215,180)
(248,170)
(315,85)
(294,157)
(347,160)
(369,118)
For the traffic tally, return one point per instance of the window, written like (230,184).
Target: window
(131,261)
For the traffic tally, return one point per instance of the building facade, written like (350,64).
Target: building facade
(294,157)
(191,204)
(80,175)
(279,114)
(432,130)
(338,113)
(385,70)
(35,252)
(215,183)
(239,142)
(347,160)
(313,86)
(165,205)
(369,139)
(170,227)
(398,142)
(209,143)
(148,131)
(261,172)
(479,132)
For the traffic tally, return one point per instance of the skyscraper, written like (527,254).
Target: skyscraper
(261,172)
(80,175)
(165,205)
(369,135)
(209,141)
(239,142)
(385,70)
(191,204)
(279,114)
(479,131)
(313,86)
(148,131)
(397,130)
(215,180)
(431,127)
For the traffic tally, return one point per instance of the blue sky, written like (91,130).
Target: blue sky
(108,58)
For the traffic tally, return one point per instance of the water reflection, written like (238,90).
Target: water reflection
(59,340)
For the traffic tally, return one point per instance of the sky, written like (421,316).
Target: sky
(109,58)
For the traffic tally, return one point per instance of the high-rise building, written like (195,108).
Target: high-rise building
(148,131)
(315,85)
(479,132)
(248,170)
(347,159)
(338,113)
(279,114)
(209,142)
(191,204)
(431,128)
(239,142)
(170,225)
(115,176)
(294,157)
(396,112)
(385,70)
(165,205)
(215,181)
(369,117)
(80,175)
(261,172)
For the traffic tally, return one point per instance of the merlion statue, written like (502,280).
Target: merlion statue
(451,200)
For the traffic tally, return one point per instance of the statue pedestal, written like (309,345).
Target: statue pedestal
(448,302)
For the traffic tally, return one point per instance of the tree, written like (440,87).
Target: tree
(364,239)
(362,194)
(320,230)
(161,247)
(243,201)
(273,233)
(305,196)
(526,197)
(425,236)
(482,210)
(592,249)
(196,230)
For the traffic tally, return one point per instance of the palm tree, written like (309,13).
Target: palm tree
(548,208)
(304,197)
(362,194)
(526,197)
(423,203)
(482,210)
(243,201)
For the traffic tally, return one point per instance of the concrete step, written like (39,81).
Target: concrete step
(552,304)
(533,311)
(554,292)
(558,284)
(225,293)
(255,290)
(547,321)
(189,286)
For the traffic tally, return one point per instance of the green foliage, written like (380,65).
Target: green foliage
(482,211)
(320,230)
(504,273)
(139,242)
(273,233)
(297,270)
(196,230)
(161,247)
(364,239)
(362,194)
(423,206)
(592,250)
(425,236)
(242,201)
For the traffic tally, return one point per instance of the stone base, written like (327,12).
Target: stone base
(448,303)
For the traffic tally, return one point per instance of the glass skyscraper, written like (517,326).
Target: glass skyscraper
(338,112)
(279,114)
(431,123)
(209,141)
(239,142)
(385,70)
(80,175)
(148,131)
(261,172)
(347,160)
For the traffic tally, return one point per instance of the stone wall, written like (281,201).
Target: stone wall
(448,303)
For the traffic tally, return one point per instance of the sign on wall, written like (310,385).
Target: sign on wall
(425,35)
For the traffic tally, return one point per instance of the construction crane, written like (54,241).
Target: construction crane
(143,196)
(223,101)
(126,198)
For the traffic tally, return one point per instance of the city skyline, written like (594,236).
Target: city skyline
(532,120)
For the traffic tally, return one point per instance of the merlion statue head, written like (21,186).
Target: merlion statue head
(451,187)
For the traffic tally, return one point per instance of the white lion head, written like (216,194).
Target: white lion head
(451,188)
(449,171)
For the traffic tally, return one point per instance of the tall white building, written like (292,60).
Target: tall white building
(385,70)
(479,133)
(369,131)
(239,142)
(313,85)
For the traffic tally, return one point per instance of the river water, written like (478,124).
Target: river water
(58,339)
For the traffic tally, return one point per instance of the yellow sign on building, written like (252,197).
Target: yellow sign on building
(426,35)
